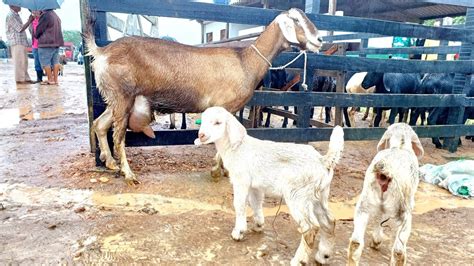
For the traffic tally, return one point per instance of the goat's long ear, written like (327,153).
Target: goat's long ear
(287,27)
(416,146)
(384,141)
(235,131)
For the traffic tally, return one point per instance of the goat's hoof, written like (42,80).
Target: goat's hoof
(112,165)
(258,228)
(216,175)
(398,259)
(297,262)
(322,258)
(132,181)
(237,234)
(375,245)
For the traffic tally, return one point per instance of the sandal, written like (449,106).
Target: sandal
(46,83)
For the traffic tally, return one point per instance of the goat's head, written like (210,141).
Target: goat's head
(401,135)
(299,30)
(218,124)
(372,79)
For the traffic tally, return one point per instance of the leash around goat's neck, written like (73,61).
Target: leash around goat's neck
(302,52)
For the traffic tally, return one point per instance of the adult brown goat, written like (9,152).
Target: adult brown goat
(174,78)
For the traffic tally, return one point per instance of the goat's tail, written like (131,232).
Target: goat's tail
(90,47)
(336,145)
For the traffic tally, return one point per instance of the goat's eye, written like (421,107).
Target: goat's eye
(217,123)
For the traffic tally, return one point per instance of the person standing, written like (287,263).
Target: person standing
(18,43)
(34,45)
(50,38)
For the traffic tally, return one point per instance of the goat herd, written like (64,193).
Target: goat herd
(300,175)
(218,82)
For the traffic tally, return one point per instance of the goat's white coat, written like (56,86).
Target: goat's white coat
(396,159)
(296,172)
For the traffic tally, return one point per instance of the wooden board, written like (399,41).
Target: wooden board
(259,16)
(187,137)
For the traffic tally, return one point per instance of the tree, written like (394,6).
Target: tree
(73,36)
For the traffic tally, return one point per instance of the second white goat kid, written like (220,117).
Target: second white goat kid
(389,192)
(296,172)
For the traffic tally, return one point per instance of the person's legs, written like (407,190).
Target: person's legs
(38,69)
(24,66)
(17,61)
(55,63)
(45,60)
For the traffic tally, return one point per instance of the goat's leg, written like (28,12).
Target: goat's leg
(183,121)
(352,116)
(366,114)
(101,126)
(377,235)
(256,200)
(399,251)
(241,191)
(356,244)
(393,115)
(305,248)
(347,119)
(121,113)
(328,226)
(404,114)
(321,109)
(218,170)
(378,117)
(285,120)
(173,121)
(327,111)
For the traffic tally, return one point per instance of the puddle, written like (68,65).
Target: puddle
(428,198)
(9,118)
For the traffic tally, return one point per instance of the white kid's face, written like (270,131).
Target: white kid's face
(213,125)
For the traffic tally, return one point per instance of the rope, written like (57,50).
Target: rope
(302,52)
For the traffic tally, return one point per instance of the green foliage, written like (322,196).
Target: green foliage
(73,36)
(429,22)
(459,20)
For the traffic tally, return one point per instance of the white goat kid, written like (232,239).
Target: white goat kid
(296,172)
(389,192)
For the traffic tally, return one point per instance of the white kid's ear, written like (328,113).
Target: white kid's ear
(416,146)
(384,142)
(287,27)
(235,131)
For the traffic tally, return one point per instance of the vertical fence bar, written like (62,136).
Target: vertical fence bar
(100,33)
(461,82)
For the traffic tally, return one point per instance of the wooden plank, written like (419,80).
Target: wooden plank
(258,16)
(359,64)
(187,137)
(270,98)
(351,36)
(466,3)
(409,50)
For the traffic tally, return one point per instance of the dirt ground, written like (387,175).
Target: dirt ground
(57,207)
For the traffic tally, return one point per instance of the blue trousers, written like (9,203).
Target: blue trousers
(37,61)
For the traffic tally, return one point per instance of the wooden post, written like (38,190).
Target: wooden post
(332,11)
(100,33)
(461,82)
(341,50)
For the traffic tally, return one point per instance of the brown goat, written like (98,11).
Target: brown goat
(174,78)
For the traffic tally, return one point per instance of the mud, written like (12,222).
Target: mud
(57,207)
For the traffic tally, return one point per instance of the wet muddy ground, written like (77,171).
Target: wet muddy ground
(56,206)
